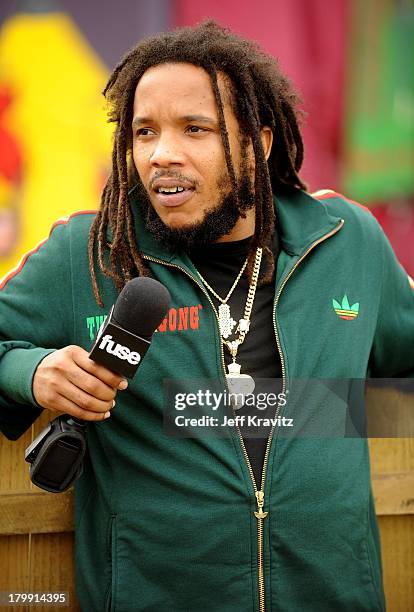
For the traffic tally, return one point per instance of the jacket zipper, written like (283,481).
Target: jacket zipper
(260,515)
(259,493)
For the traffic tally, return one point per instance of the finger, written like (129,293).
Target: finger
(65,405)
(81,358)
(90,384)
(82,399)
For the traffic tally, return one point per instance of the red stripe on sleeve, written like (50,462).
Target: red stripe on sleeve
(325,194)
(21,264)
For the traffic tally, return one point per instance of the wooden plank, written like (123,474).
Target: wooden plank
(52,567)
(14,473)
(391,455)
(390,413)
(14,562)
(14,566)
(393,493)
(397,542)
(38,563)
(36,512)
(41,512)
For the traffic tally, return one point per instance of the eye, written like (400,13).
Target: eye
(144,132)
(195,129)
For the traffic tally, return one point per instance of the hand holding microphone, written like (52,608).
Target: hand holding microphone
(84,386)
(68,381)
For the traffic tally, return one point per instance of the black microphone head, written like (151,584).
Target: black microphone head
(141,306)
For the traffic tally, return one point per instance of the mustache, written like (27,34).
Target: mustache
(173,174)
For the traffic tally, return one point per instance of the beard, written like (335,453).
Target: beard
(218,220)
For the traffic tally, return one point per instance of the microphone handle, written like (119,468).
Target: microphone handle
(70,420)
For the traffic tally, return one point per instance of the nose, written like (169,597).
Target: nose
(167,152)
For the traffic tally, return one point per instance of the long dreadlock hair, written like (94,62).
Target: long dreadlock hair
(260,96)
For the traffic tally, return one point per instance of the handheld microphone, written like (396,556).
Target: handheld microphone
(56,455)
(125,336)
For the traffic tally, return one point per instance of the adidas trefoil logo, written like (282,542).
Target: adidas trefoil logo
(344,310)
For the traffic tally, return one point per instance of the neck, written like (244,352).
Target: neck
(244,228)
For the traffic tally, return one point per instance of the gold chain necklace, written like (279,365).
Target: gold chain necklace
(238,383)
(226,321)
(232,288)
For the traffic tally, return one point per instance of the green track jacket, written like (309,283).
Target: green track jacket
(167,524)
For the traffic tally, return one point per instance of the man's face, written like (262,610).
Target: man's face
(177,145)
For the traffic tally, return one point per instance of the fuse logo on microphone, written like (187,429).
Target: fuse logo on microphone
(122,352)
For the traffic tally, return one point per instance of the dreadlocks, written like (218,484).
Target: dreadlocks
(260,96)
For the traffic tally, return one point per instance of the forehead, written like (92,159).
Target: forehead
(180,84)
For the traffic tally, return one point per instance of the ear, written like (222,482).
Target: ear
(266,136)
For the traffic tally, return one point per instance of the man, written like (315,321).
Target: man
(204,195)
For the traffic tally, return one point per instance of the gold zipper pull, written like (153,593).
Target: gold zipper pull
(260,504)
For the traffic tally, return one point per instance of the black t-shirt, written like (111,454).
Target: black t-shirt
(219,264)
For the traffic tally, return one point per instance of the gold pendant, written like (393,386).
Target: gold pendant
(226,323)
(239,385)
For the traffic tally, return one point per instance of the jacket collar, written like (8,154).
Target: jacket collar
(301,221)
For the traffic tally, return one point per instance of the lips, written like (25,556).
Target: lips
(172,199)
